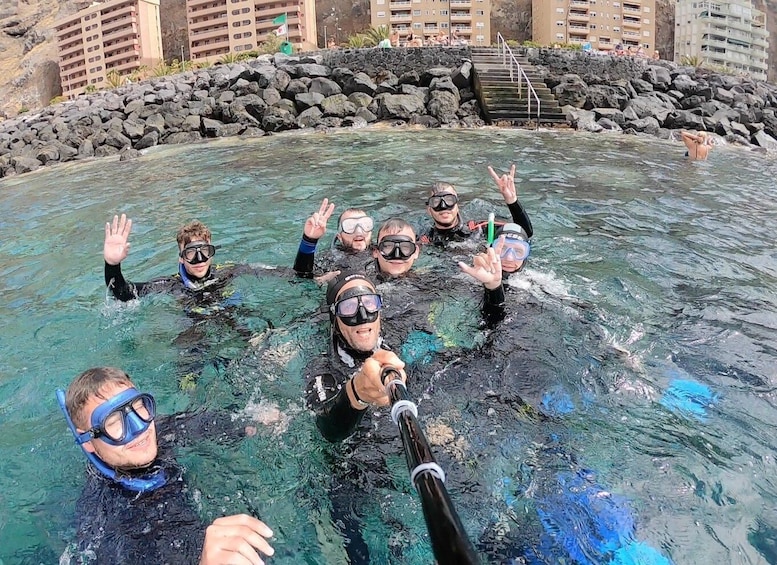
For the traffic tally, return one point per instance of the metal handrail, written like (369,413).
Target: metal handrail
(509,59)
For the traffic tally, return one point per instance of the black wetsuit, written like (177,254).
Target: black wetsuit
(464,231)
(209,288)
(308,265)
(116,525)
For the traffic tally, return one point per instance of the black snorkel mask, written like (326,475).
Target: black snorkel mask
(397,247)
(198,252)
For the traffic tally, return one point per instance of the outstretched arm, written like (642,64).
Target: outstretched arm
(238,539)
(315,228)
(506,185)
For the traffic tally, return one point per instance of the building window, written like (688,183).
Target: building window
(560,23)
(235,12)
(480,24)
(480,12)
(416,12)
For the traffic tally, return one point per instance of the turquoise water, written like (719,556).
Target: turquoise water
(677,260)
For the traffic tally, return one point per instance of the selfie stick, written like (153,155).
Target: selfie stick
(449,540)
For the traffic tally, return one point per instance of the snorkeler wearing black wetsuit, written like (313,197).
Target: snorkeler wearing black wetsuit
(197,277)
(352,242)
(136,507)
(442,206)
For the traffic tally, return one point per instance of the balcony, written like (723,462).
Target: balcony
(206,34)
(202,12)
(402,4)
(129,30)
(401,18)
(461,18)
(578,16)
(632,23)
(461,3)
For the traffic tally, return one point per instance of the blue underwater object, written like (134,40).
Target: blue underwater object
(689,398)
(588,525)
(557,402)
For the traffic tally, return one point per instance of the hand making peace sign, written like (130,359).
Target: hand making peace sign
(315,225)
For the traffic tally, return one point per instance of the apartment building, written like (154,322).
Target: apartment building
(218,27)
(116,35)
(604,24)
(466,20)
(727,34)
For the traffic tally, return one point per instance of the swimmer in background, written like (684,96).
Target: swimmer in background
(698,145)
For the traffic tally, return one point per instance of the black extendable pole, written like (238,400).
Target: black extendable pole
(450,542)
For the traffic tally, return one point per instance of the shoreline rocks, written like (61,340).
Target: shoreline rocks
(638,95)
(430,87)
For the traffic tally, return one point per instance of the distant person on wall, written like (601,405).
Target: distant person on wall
(331,44)
(656,55)
(698,145)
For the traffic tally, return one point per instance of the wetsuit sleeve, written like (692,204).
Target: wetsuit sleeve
(303,263)
(124,290)
(493,308)
(520,217)
(335,417)
(121,288)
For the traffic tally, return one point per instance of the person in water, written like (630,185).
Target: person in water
(197,276)
(341,386)
(698,145)
(135,507)
(442,205)
(352,242)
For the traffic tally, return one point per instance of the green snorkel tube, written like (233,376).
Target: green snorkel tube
(490,236)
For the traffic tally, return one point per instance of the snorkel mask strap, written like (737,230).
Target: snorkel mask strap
(135,484)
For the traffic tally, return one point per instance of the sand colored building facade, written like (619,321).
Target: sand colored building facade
(604,24)
(117,36)
(469,21)
(731,35)
(218,27)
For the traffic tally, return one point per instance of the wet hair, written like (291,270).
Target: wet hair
(442,187)
(337,283)
(393,226)
(89,384)
(349,211)
(193,231)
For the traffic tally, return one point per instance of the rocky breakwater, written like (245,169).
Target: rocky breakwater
(637,95)
(338,88)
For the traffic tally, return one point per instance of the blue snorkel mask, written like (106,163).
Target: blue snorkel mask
(515,246)
(118,421)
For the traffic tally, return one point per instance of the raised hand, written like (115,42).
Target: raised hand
(486,267)
(236,540)
(506,184)
(116,246)
(315,225)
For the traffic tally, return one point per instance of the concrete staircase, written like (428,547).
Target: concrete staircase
(502,100)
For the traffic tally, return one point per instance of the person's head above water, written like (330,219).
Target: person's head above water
(195,251)
(354,229)
(113,420)
(513,246)
(442,205)
(354,310)
(396,249)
